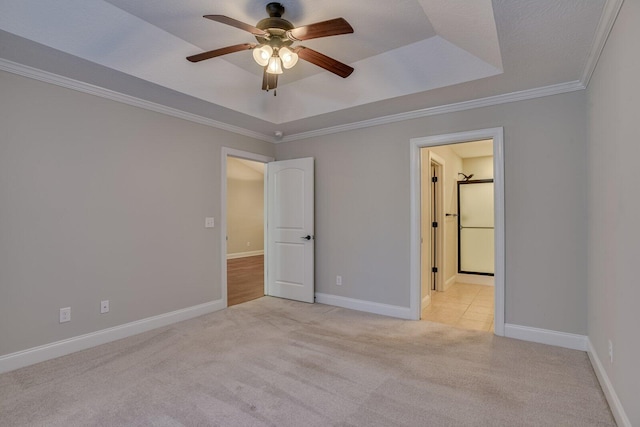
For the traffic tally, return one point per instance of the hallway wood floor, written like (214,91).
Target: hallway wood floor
(245,279)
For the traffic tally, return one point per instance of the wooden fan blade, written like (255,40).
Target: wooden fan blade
(238,24)
(329,64)
(332,27)
(219,52)
(269,81)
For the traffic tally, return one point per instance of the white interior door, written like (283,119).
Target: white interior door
(290,229)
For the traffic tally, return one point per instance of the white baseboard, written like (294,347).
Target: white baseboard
(449,282)
(475,279)
(368,306)
(425,301)
(244,254)
(39,354)
(546,336)
(612,398)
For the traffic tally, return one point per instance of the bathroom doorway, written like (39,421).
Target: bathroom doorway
(469,255)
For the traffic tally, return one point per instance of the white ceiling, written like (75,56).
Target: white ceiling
(408,55)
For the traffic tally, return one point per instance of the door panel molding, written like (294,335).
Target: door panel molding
(290,229)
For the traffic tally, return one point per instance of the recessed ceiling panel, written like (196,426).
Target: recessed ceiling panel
(406,54)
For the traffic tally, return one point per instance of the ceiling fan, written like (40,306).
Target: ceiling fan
(275,36)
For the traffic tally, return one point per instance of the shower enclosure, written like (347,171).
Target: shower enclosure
(475,227)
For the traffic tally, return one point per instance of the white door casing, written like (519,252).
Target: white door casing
(290,229)
(498,167)
(232,152)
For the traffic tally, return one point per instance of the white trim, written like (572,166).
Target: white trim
(39,354)
(441,244)
(232,152)
(47,77)
(476,279)
(361,305)
(498,183)
(426,300)
(449,282)
(546,336)
(244,254)
(443,109)
(607,19)
(612,398)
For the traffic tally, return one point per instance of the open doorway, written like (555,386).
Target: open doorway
(444,288)
(245,230)
(243,224)
(457,205)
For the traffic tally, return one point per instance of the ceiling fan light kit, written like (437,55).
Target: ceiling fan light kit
(275,65)
(262,53)
(275,35)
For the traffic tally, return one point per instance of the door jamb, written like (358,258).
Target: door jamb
(498,170)
(430,159)
(232,152)
(440,243)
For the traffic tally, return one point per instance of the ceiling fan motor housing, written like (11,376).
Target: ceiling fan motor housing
(276,26)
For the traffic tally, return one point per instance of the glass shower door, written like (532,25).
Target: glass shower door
(475,227)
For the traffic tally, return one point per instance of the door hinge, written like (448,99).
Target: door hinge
(434,269)
(434,179)
(434,224)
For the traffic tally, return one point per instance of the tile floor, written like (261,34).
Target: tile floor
(463,305)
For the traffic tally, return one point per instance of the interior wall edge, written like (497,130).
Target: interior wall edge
(607,387)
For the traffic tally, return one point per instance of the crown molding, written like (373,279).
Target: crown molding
(69,83)
(47,77)
(443,109)
(607,19)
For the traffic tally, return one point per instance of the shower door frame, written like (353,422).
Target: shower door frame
(460,270)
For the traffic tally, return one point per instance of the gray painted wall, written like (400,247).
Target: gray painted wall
(363,211)
(101,200)
(614,209)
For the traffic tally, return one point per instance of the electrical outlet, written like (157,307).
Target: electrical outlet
(339,280)
(610,351)
(209,222)
(248,244)
(104,306)
(65,314)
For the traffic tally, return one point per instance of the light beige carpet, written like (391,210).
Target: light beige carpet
(273,362)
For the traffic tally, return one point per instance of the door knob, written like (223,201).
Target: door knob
(307,237)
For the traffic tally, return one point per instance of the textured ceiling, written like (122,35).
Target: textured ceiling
(407,55)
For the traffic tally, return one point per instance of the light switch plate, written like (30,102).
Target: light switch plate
(209,222)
